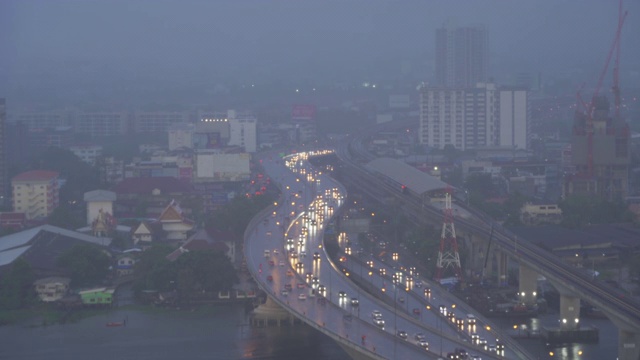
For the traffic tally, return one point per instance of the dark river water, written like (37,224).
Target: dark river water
(222,332)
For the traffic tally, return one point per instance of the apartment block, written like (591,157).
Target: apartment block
(35,193)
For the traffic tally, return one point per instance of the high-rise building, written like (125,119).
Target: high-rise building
(100,124)
(600,159)
(35,193)
(242,130)
(158,121)
(43,119)
(3,155)
(461,55)
(474,117)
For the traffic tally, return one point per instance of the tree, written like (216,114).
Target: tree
(87,264)
(65,217)
(480,186)
(236,215)
(211,271)
(579,210)
(80,176)
(16,286)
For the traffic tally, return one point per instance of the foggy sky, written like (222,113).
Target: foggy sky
(87,45)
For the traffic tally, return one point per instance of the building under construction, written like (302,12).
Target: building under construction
(602,167)
(600,139)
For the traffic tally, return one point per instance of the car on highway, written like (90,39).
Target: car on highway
(376,313)
(271,263)
(342,295)
(462,353)
(379,322)
(316,256)
(281,263)
(302,297)
(471,319)
(284,293)
(402,334)
(416,311)
(322,290)
(423,344)
(289,272)
(355,302)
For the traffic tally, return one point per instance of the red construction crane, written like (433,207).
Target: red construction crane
(590,107)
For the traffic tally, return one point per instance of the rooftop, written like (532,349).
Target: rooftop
(36,175)
(414,179)
(99,195)
(145,185)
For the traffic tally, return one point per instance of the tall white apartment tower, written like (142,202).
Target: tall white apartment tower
(461,55)
(474,117)
(242,130)
(514,126)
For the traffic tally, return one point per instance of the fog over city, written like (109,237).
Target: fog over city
(150,50)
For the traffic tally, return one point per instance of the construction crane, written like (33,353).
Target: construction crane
(590,107)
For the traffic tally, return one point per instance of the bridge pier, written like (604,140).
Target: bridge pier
(628,344)
(528,286)
(569,312)
(270,312)
(502,262)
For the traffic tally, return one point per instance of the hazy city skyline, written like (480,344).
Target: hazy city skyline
(79,49)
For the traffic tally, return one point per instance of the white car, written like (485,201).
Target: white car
(302,297)
(379,321)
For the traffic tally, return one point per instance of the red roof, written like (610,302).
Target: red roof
(36,175)
(144,185)
(13,216)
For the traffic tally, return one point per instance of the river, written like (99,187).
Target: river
(220,332)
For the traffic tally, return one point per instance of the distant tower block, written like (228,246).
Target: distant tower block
(448,256)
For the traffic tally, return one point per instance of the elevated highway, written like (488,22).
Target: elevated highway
(285,254)
(573,283)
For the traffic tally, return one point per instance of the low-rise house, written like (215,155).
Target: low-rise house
(125,263)
(144,234)
(208,239)
(174,223)
(13,220)
(535,214)
(52,288)
(97,296)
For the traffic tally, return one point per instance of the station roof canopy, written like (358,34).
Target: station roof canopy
(414,179)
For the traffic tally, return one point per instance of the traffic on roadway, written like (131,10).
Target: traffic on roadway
(285,253)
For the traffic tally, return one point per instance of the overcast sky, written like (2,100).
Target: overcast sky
(88,44)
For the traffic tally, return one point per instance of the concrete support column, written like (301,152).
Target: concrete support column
(569,312)
(502,264)
(628,344)
(528,280)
